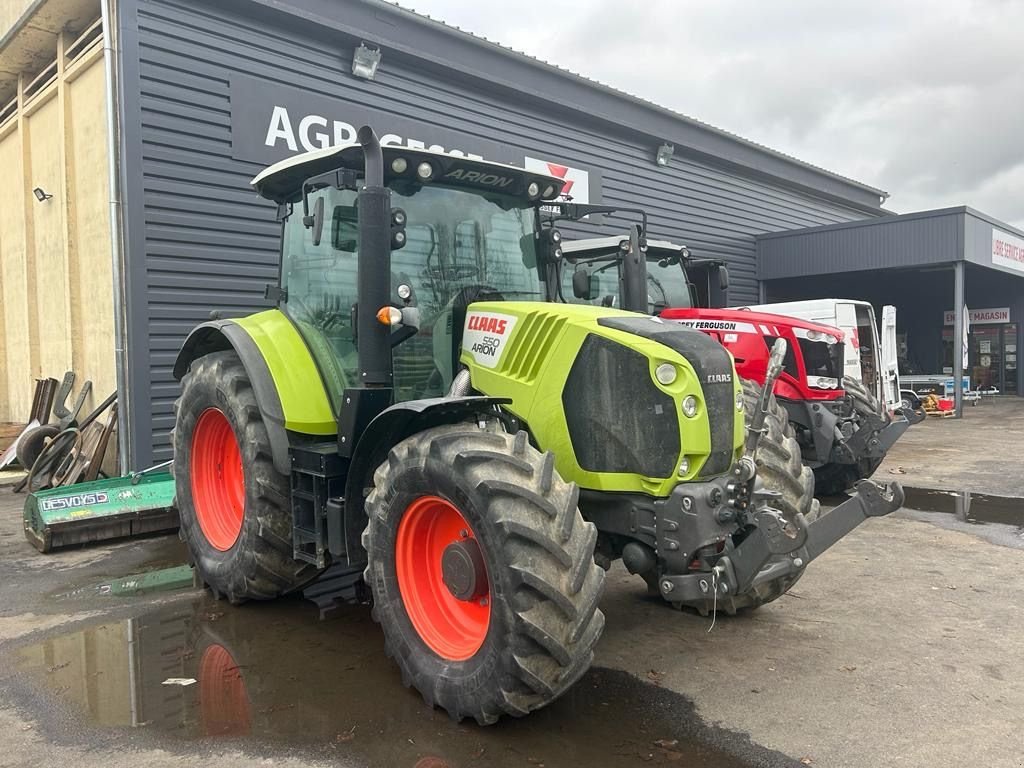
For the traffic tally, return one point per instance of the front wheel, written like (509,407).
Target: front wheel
(482,572)
(836,479)
(780,468)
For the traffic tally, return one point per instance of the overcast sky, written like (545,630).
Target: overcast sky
(924,99)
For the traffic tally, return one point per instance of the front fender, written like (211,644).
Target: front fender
(284,377)
(388,428)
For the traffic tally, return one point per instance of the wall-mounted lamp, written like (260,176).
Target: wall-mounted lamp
(664,156)
(365,62)
(41,194)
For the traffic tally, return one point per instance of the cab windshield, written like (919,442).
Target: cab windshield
(462,246)
(667,286)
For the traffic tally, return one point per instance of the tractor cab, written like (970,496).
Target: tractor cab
(460,231)
(674,277)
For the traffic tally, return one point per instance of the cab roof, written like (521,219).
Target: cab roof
(282,182)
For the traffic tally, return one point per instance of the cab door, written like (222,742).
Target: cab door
(846,320)
(889,368)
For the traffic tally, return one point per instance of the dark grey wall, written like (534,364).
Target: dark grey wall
(197,237)
(934,237)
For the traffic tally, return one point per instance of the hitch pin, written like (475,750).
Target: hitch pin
(714,600)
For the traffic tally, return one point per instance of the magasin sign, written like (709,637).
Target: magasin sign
(981,316)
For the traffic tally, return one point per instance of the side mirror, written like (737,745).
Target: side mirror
(316,221)
(583,284)
(723,277)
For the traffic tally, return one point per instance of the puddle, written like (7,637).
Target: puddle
(272,675)
(975,508)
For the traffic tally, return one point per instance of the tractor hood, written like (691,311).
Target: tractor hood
(625,401)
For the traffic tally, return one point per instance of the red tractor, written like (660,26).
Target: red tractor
(843,430)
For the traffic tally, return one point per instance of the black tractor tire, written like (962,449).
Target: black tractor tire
(258,565)
(544,586)
(864,401)
(780,465)
(836,479)
(32,443)
(780,468)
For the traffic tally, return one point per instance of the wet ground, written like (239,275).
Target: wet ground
(903,645)
(270,678)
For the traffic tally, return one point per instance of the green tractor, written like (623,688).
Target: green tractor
(423,416)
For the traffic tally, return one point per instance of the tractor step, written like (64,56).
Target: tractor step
(318,473)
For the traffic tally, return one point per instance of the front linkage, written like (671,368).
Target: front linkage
(771,549)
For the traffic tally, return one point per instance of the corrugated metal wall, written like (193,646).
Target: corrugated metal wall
(894,242)
(198,238)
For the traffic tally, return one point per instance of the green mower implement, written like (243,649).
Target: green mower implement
(422,415)
(100,510)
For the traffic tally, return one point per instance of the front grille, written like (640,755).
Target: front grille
(618,420)
(713,366)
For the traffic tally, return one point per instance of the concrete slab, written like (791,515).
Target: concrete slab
(900,646)
(980,453)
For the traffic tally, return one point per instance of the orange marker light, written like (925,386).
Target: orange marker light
(389,316)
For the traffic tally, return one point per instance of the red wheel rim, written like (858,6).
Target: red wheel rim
(218,482)
(223,699)
(453,629)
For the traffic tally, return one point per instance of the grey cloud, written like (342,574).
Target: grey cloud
(924,99)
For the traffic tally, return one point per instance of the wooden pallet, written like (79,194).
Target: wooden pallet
(8,432)
(941,414)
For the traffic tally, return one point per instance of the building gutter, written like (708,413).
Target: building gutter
(107,15)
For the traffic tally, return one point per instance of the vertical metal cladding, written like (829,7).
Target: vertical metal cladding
(204,241)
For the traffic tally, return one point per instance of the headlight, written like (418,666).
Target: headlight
(665,373)
(684,467)
(689,406)
(739,401)
(533,189)
(549,190)
(425,170)
(399,164)
(823,382)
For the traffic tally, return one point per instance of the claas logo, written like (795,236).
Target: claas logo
(487,324)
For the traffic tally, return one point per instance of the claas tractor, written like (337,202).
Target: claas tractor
(842,430)
(421,416)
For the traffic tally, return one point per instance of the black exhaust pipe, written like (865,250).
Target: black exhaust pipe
(633,275)
(374,280)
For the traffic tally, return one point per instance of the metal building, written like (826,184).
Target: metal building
(928,265)
(204,94)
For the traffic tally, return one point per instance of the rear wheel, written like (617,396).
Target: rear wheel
(233,503)
(482,572)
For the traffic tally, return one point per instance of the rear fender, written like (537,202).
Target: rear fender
(284,378)
(390,427)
